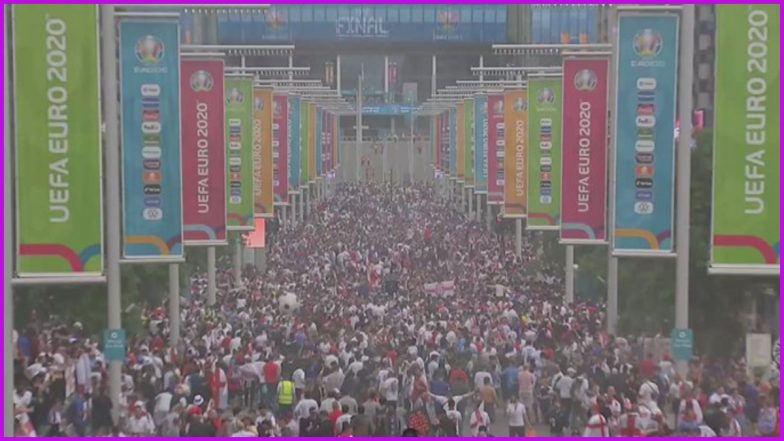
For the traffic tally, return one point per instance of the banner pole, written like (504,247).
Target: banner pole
(112,197)
(519,237)
(237,260)
(174,305)
(8,264)
(683,170)
(570,274)
(612,261)
(211,276)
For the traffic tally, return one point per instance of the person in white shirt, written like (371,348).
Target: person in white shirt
(479,418)
(479,379)
(517,417)
(162,407)
(298,377)
(140,423)
(389,389)
(304,406)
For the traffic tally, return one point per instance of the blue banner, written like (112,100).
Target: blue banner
(453,143)
(151,170)
(319,141)
(294,144)
(644,159)
(480,144)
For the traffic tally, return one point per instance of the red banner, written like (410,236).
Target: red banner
(584,197)
(203,152)
(280,147)
(495,149)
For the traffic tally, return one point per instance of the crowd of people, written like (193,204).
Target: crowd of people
(387,313)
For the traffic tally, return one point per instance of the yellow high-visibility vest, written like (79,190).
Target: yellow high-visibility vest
(286,395)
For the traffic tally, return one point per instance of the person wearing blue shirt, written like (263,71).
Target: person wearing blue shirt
(509,381)
(439,387)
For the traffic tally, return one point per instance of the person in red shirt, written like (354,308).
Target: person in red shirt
(334,415)
(271,378)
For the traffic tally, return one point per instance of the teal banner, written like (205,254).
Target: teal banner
(453,143)
(644,153)
(151,171)
(294,144)
(480,144)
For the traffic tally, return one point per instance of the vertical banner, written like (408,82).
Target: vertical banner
(280,147)
(480,144)
(57,141)
(304,138)
(321,136)
(295,145)
(746,171)
(312,161)
(460,142)
(316,131)
(203,152)
(435,142)
(495,149)
(584,172)
(644,154)
(468,140)
(239,152)
(544,153)
(452,128)
(443,138)
(150,147)
(516,144)
(335,141)
(263,179)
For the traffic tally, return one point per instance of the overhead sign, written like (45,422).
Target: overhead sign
(515,153)
(57,141)
(746,148)
(151,178)
(203,152)
(239,152)
(544,153)
(584,177)
(646,83)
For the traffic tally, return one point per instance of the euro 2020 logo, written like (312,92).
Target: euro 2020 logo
(276,108)
(520,104)
(585,80)
(201,81)
(149,49)
(647,43)
(258,104)
(234,97)
(546,97)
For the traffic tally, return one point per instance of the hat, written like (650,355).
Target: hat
(138,404)
(198,400)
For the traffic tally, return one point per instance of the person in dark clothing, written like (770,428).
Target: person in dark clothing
(410,432)
(310,426)
(325,428)
(102,413)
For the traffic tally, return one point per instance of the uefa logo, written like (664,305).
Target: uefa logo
(276,108)
(274,20)
(149,49)
(585,80)
(258,104)
(235,97)
(448,20)
(498,107)
(520,104)
(647,43)
(201,81)
(546,96)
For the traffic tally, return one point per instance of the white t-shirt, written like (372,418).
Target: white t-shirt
(302,410)
(515,413)
(389,388)
(298,377)
(141,425)
(479,378)
(163,402)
